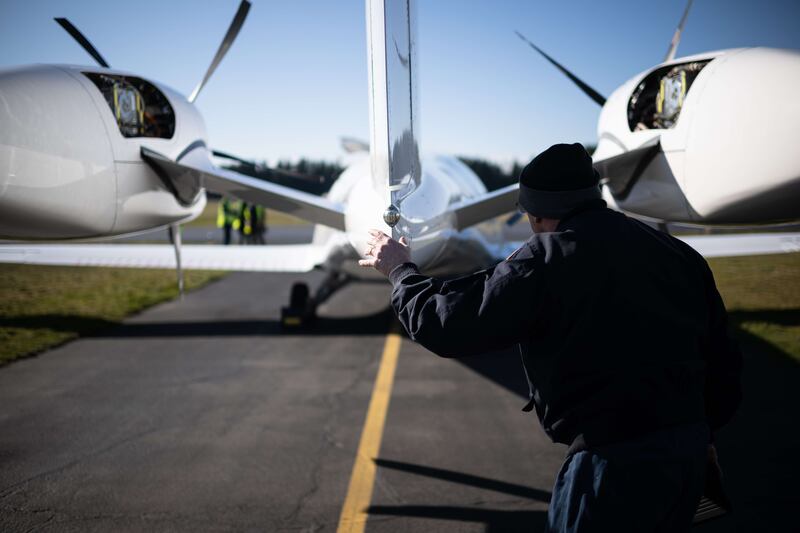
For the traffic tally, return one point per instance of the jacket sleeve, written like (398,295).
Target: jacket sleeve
(723,389)
(485,311)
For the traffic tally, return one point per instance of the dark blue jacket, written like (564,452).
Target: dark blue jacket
(620,326)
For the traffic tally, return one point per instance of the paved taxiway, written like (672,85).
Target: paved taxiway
(201,415)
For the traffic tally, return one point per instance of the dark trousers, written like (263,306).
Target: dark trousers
(651,483)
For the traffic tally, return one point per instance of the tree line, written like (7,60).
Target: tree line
(317,176)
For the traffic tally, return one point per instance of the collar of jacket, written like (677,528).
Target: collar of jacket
(592,205)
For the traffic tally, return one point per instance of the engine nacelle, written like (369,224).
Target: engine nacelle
(727,125)
(70,139)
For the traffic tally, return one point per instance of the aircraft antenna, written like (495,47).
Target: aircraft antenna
(227,41)
(82,40)
(676,37)
(591,93)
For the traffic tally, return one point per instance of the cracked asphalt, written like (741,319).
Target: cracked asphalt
(202,415)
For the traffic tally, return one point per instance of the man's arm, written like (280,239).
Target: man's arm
(485,311)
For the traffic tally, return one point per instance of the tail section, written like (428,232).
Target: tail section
(394,131)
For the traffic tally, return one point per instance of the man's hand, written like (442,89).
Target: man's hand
(385,253)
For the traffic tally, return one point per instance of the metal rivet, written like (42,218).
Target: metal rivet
(391,216)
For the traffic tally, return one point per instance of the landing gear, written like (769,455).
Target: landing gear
(302,309)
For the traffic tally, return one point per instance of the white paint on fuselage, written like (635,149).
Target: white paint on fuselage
(731,156)
(68,171)
(425,217)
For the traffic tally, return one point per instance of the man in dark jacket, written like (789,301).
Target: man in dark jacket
(623,338)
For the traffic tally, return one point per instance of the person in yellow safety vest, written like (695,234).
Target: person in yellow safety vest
(228,217)
(259,217)
(246,224)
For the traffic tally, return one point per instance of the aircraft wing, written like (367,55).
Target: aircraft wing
(476,210)
(709,246)
(196,167)
(743,244)
(272,258)
(305,257)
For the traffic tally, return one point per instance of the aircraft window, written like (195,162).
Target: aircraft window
(657,101)
(139,108)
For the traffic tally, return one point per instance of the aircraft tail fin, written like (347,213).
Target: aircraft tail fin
(393,110)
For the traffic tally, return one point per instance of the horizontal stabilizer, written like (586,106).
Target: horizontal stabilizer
(197,166)
(476,210)
(271,258)
(352,145)
(740,244)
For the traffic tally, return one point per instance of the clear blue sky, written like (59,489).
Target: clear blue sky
(296,78)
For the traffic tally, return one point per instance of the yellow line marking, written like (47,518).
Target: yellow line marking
(359,493)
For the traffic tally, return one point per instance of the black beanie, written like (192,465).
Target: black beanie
(562,167)
(558,181)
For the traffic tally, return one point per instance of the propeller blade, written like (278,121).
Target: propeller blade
(676,38)
(227,41)
(225,155)
(277,171)
(82,40)
(591,93)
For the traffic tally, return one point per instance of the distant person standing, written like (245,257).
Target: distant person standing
(228,218)
(624,345)
(259,217)
(245,224)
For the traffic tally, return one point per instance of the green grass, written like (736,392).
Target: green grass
(208,218)
(762,295)
(43,306)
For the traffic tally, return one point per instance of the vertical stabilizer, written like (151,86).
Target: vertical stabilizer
(394,131)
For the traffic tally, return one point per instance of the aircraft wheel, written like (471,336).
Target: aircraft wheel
(300,310)
(298,297)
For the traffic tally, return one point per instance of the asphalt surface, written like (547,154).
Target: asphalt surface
(202,415)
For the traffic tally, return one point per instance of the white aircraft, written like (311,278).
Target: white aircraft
(706,139)
(88,153)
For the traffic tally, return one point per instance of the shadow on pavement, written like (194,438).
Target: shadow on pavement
(758,449)
(74,323)
(495,520)
(374,324)
(467,479)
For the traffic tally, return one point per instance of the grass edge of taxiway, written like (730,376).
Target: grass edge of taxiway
(45,306)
